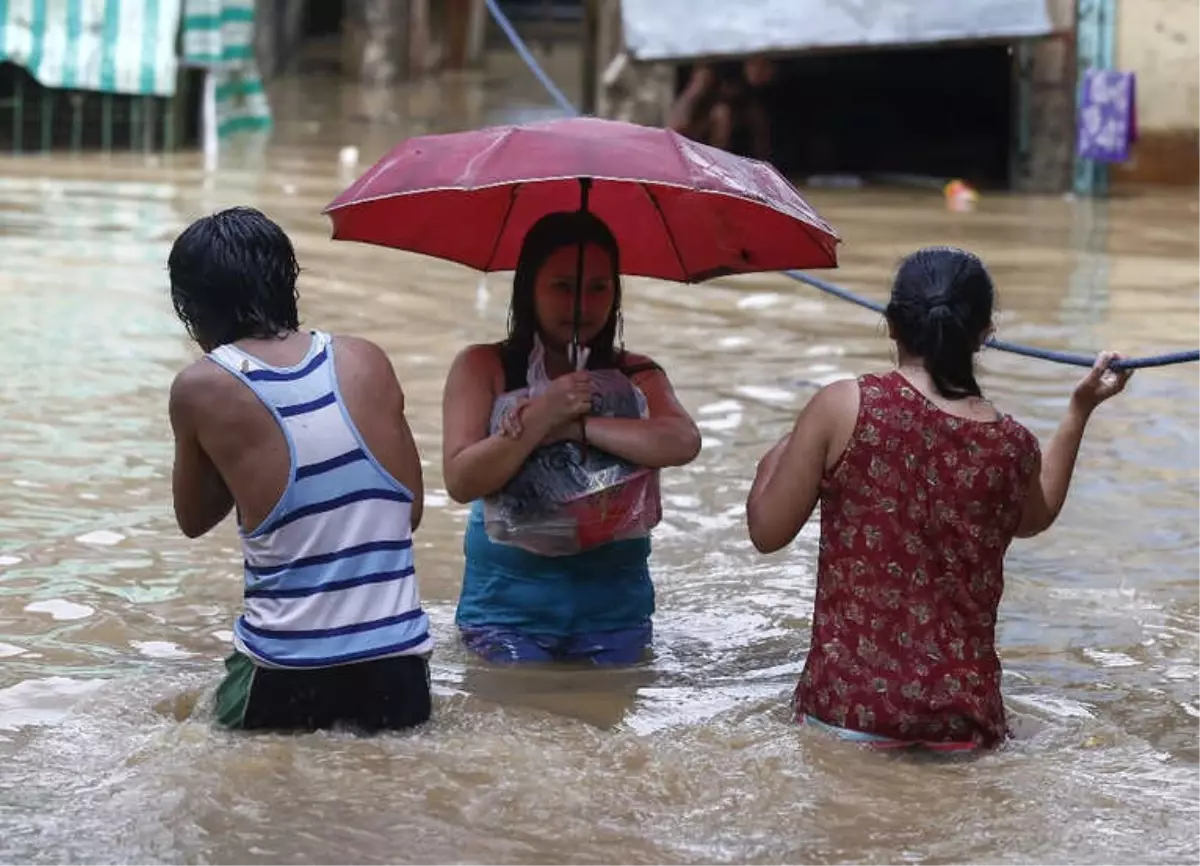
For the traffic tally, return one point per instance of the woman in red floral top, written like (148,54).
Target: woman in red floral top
(922,485)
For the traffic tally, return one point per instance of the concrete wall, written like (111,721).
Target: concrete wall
(1045,162)
(1159,40)
(1062,14)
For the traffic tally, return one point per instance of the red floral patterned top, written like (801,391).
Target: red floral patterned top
(916,517)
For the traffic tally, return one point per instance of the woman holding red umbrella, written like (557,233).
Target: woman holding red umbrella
(556,434)
(593,605)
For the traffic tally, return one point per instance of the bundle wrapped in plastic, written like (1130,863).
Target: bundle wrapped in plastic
(569,497)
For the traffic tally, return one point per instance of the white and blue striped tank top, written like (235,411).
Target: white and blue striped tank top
(329,576)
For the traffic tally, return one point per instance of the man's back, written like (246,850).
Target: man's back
(248,447)
(308,434)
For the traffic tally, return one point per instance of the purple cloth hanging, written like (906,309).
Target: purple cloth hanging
(1107,122)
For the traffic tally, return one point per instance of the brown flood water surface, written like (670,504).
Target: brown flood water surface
(112,625)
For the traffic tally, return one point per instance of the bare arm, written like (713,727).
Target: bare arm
(412,475)
(201,498)
(476,463)
(410,458)
(668,437)
(787,484)
(1052,478)
(683,110)
(376,400)
(408,448)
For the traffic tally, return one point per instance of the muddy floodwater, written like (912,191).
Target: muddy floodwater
(112,624)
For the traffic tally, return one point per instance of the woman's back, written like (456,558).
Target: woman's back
(922,487)
(916,516)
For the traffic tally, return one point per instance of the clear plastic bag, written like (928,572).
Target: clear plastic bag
(569,497)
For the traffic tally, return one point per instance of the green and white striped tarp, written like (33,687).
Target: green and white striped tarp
(219,35)
(113,46)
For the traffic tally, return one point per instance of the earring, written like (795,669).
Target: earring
(621,330)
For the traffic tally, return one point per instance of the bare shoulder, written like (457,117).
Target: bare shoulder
(637,366)
(840,394)
(197,386)
(836,402)
(365,363)
(479,356)
(635,359)
(363,351)
(480,360)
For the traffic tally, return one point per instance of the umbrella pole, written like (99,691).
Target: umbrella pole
(585,188)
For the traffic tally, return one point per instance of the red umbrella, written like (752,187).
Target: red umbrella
(680,210)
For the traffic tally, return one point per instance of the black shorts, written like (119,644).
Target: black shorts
(379,695)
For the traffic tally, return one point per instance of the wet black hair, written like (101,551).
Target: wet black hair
(233,276)
(940,308)
(548,235)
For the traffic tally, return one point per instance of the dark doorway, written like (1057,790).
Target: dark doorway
(319,49)
(933,112)
(323,18)
(542,10)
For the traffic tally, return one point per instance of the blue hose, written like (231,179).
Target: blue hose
(1057,357)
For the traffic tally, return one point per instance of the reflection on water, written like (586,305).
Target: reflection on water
(111,624)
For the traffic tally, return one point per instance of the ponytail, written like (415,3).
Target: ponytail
(940,308)
(949,359)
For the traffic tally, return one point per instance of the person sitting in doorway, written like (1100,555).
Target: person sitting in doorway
(725,106)
(305,435)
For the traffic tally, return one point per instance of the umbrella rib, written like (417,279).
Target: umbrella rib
(512,200)
(667,228)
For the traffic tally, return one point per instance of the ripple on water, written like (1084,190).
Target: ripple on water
(759,301)
(1110,659)
(160,649)
(60,609)
(42,701)
(103,537)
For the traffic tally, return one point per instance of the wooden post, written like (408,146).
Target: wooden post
(611,85)
(477,33)
(375,36)
(353,19)
(458,15)
(423,49)
(421,53)
(590,54)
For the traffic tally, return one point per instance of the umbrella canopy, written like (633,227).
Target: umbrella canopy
(679,210)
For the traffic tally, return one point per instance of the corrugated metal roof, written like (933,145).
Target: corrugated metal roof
(685,29)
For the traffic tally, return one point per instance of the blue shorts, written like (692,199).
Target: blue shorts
(503,645)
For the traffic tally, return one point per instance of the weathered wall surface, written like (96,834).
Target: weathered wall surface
(643,92)
(1045,161)
(1159,40)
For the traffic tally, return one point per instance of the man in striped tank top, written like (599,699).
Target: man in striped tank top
(305,435)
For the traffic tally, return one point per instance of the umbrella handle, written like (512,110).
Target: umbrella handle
(585,188)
